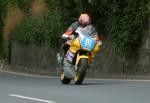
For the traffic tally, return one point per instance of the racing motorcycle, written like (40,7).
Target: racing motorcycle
(76,61)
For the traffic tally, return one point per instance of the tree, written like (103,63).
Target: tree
(2,15)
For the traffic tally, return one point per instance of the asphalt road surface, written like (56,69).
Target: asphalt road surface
(16,88)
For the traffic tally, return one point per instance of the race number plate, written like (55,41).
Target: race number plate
(88,43)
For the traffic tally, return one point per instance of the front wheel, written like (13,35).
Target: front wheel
(80,73)
(64,79)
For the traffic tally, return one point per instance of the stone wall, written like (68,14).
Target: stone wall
(33,57)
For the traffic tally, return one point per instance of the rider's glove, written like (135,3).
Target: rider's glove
(99,42)
(71,37)
(64,36)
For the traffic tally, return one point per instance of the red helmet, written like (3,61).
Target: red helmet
(84,19)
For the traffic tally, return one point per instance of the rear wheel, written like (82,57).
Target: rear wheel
(64,79)
(80,73)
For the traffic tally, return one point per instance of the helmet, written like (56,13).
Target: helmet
(84,20)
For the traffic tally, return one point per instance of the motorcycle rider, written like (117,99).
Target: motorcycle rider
(84,23)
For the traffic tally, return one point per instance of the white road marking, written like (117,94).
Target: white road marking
(30,98)
(28,75)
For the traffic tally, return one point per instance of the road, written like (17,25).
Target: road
(16,88)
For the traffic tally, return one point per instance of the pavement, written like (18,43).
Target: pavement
(28,88)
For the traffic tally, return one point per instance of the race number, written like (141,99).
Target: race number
(88,43)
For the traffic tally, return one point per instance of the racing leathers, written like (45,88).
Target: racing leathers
(88,29)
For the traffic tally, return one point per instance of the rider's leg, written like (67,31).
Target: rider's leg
(65,48)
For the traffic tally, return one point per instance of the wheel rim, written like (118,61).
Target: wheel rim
(76,76)
(62,75)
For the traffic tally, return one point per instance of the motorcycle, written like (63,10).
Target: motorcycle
(74,64)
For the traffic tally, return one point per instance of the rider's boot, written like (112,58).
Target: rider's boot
(59,62)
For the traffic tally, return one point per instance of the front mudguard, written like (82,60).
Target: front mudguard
(80,57)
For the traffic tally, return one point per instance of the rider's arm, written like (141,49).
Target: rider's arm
(70,30)
(96,36)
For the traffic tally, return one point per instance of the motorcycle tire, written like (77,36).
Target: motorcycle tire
(64,79)
(80,74)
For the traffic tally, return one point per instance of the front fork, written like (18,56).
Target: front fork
(78,59)
(90,58)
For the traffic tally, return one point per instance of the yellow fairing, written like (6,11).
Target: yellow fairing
(97,48)
(75,45)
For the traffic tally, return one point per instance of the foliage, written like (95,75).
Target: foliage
(24,5)
(1,28)
(55,25)
(38,30)
(55,3)
(126,21)
(5,8)
(2,15)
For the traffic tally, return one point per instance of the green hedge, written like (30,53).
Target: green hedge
(24,5)
(126,22)
(38,30)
